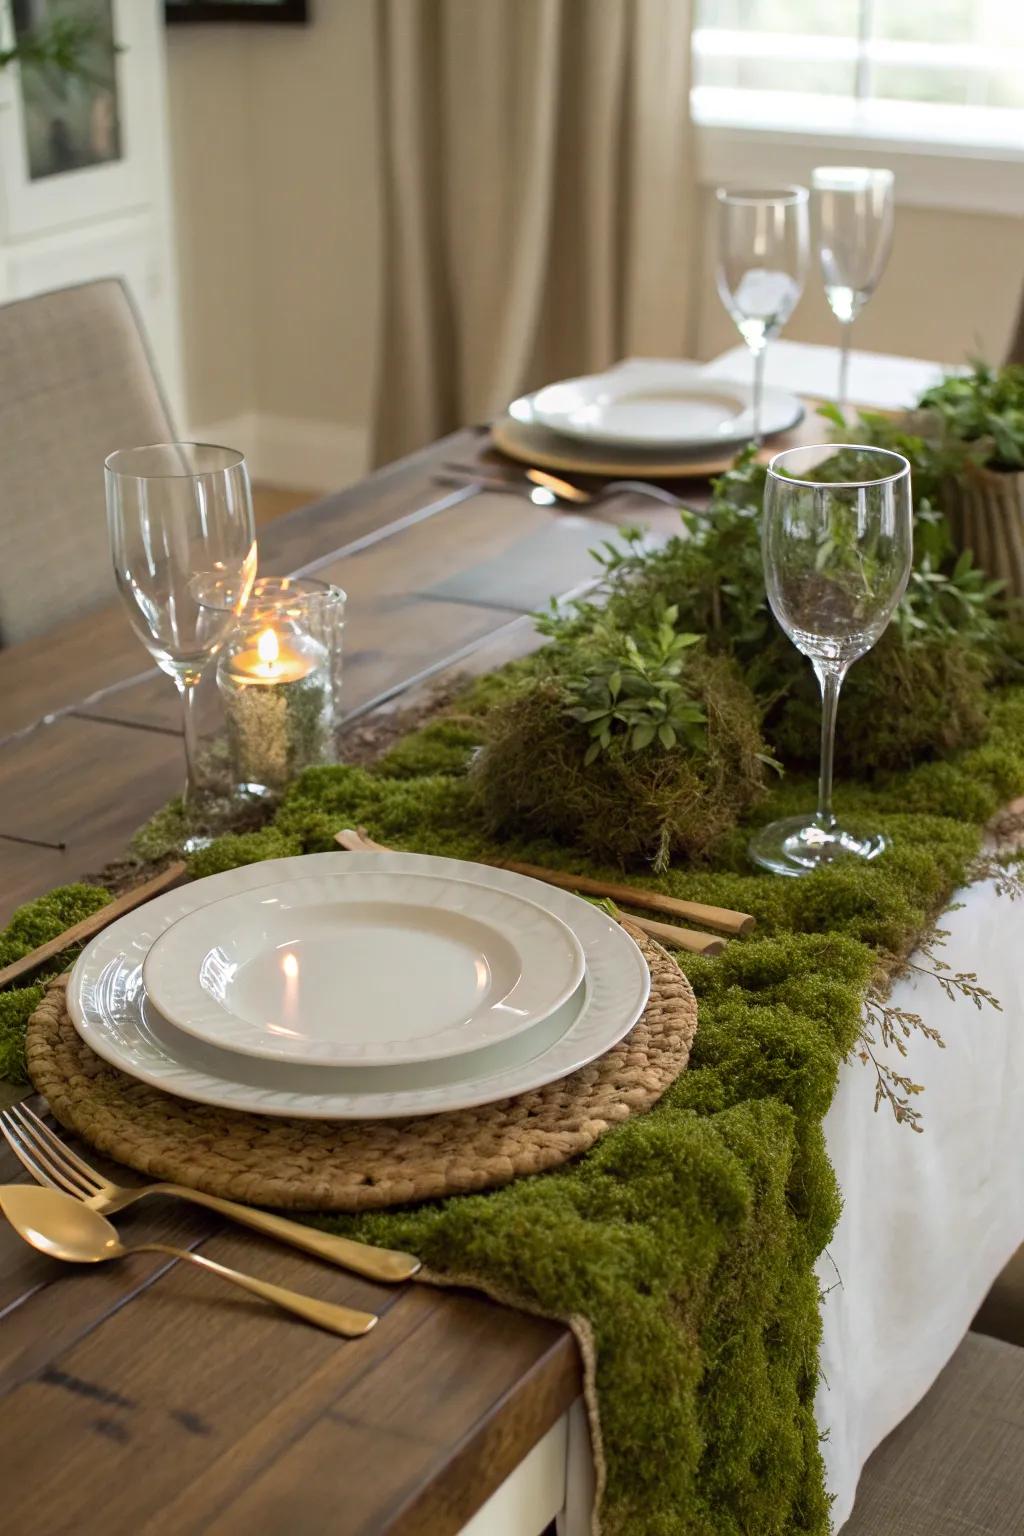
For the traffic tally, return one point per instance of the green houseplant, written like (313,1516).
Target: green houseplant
(977,424)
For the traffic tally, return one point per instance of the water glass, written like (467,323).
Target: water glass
(854,216)
(837,543)
(762,263)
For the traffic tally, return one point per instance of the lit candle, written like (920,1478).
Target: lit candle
(270,661)
(277,698)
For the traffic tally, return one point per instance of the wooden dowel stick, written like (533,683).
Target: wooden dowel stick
(722,918)
(95,923)
(690,939)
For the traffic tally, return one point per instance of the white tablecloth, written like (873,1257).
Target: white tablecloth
(929,1220)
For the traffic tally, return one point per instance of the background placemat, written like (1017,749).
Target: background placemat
(360,1165)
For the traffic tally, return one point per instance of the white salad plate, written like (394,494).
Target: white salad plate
(112,1013)
(362,968)
(671,405)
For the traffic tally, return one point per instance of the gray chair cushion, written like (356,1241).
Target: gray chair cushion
(955,1466)
(76,382)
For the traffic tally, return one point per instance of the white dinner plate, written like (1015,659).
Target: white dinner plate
(110,1010)
(672,405)
(362,968)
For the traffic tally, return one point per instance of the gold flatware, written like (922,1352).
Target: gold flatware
(93,924)
(458,475)
(690,939)
(51,1161)
(65,1228)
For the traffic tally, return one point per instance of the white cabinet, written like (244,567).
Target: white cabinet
(102,220)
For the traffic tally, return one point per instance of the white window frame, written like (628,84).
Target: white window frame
(941,160)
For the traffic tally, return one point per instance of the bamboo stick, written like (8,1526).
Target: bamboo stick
(95,923)
(690,939)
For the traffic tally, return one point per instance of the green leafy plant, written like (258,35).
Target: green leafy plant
(983,413)
(634,686)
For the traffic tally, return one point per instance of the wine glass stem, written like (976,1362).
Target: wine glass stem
(830,679)
(191,731)
(844,363)
(759,356)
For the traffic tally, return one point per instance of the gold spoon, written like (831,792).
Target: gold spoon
(64,1228)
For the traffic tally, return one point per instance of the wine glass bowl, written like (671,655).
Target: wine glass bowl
(854,215)
(837,543)
(181,529)
(762,263)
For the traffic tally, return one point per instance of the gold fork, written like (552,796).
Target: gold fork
(51,1161)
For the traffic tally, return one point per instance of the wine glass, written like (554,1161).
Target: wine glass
(837,543)
(762,263)
(854,215)
(181,530)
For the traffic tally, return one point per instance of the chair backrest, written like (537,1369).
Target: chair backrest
(76,382)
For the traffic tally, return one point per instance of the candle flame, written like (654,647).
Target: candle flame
(267,647)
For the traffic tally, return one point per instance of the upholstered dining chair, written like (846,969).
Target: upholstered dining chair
(76,382)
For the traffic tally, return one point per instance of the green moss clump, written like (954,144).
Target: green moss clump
(444,746)
(43,919)
(16,1008)
(655,805)
(901,704)
(243,848)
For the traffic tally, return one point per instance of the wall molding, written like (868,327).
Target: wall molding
(298,451)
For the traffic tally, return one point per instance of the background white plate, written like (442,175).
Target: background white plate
(664,405)
(109,1008)
(363,968)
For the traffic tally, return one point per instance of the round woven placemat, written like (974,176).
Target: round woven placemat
(360,1165)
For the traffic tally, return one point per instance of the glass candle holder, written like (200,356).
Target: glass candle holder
(279,678)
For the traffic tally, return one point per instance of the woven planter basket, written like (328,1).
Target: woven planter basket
(986,509)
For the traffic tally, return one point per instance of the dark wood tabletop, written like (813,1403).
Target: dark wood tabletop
(141,1398)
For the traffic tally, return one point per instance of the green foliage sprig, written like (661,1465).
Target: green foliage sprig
(634,686)
(984,412)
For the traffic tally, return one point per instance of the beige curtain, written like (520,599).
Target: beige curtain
(540,199)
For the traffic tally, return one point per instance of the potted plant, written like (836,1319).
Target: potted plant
(976,422)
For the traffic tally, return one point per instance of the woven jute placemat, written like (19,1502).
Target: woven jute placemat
(360,1165)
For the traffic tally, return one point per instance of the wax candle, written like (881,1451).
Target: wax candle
(276,689)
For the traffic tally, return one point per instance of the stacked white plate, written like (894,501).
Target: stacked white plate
(344,986)
(646,416)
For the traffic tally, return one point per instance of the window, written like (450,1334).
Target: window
(930,72)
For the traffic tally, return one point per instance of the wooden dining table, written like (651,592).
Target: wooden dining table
(136,1398)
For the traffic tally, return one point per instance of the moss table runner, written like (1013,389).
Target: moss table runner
(688,1237)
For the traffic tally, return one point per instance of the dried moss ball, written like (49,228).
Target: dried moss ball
(900,704)
(653,806)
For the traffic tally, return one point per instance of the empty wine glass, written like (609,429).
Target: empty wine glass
(181,529)
(854,216)
(762,263)
(837,543)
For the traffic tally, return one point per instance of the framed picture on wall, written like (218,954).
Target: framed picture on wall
(295,11)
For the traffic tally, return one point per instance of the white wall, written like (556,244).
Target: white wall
(277,180)
(274,148)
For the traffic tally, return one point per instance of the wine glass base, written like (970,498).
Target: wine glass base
(798,845)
